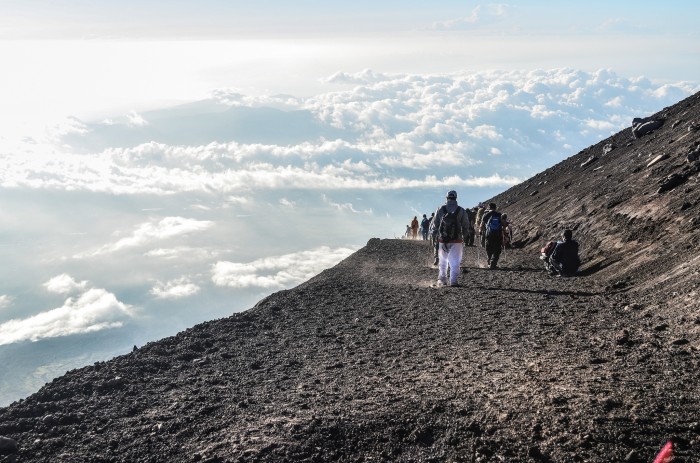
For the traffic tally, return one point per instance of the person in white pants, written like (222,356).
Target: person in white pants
(450,226)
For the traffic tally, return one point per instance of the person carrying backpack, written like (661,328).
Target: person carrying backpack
(471,214)
(425,227)
(492,229)
(477,220)
(449,227)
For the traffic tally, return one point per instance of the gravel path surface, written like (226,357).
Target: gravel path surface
(368,362)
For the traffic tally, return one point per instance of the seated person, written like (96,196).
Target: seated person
(565,259)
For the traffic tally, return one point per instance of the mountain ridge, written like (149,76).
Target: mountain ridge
(368,362)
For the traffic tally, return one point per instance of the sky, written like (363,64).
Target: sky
(167,163)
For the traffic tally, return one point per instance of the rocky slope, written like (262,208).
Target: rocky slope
(368,362)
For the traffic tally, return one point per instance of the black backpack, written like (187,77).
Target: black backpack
(450,225)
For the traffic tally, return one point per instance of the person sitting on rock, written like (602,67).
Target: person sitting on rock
(565,260)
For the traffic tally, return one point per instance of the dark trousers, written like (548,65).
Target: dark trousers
(494,242)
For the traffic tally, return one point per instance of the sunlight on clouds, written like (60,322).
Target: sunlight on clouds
(278,272)
(344,207)
(136,120)
(393,129)
(175,289)
(150,232)
(64,284)
(180,253)
(94,310)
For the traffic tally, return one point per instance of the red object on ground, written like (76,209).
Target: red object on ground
(666,453)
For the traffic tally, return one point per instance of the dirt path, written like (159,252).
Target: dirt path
(367,362)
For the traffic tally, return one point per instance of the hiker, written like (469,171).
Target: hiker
(565,260)
(471,214)
(425,227)
(450,226)
(408,232)
(492,231)
(433,239)
(507,232)
(414,227)
(479,215)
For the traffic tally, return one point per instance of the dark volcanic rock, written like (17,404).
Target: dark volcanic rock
(368,362)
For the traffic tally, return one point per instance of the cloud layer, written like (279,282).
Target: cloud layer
(277,272)
(391,131)
(92,310)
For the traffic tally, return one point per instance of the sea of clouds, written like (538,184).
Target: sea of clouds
(144,224)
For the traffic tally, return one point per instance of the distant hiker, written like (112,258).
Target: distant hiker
(450,226)
(471,214)
(479,215)
(492,230)
(425,227)
(565,259)
(433,239)
(408,231)
(507,232)
(414,227)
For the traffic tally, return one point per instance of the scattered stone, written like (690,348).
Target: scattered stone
(589,161)
(632,457)
(643,126)
(670,182)
(623,337)
(693,155)
(661,327)
(608,148)
(49,420)
(657,159)
(676,123)
(8,445)
(680,342)
(693,126)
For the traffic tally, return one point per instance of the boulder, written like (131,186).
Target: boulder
(8,446)
(643,126)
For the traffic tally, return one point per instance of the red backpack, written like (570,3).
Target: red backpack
(548,248)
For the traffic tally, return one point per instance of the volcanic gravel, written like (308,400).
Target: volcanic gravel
(368,361)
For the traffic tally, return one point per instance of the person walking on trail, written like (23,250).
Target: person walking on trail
(507,232)
(471,214)
(425,227)
(450,226)
(565,260)
(479,215)
(492,229)
(433,239)
(414,227)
